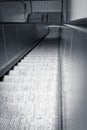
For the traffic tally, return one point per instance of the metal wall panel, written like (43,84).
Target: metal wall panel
(3,57)
(74,78)
(11,41)
(77,10)
(26,35)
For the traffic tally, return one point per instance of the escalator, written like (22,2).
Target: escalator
(43,66)
(29,93)
(47,88)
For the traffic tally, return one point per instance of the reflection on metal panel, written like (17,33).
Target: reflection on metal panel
(74,63)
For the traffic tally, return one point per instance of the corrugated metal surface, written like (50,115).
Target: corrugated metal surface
(14,11)
(46,6)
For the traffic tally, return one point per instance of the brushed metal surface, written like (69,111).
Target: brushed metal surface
(74,78)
